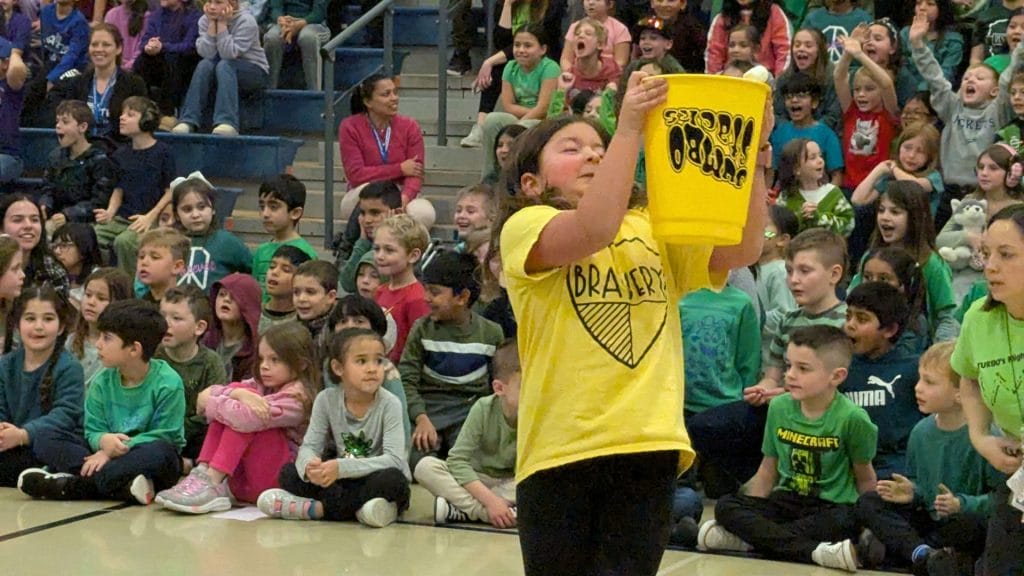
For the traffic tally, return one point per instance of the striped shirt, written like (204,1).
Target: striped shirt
(779,338)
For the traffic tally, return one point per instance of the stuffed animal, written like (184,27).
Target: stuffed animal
(969,215)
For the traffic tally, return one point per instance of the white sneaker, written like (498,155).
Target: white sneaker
(182,128)
(444,512)
(841,555)
(475,139)
(225,130)
(377,513)
(142,490)
(713,536)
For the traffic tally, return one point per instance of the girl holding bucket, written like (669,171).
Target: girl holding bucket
(597,460)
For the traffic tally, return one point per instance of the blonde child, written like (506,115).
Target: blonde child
(397,245)
(987,358)
(255,426)
(368,477)
(102,287)
(1013,133)
(870,112)
(807,192)
(576,451)
(590,69)
(810,55)
(616,42)
(916,159)
(936,514)
(744,41)
(42,383)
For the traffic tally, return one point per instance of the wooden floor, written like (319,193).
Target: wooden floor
(99,538)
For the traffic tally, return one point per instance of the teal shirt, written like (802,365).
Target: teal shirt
(936,456)
(153,410)
(816,457)
(836,26)
(19,394)
(526,85)
(948,51)
(265,253)
(213,257)
(721,346)
(312,11)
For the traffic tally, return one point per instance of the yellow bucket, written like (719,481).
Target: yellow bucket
(701,152)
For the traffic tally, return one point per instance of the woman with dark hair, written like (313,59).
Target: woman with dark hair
(378,143)
(23,220)
(104,86)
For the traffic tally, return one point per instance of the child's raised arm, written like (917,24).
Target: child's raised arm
(575,234)
(886,84)
(841,77)
(944,100)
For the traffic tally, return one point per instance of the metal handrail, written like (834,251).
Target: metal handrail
(442,64)
(385,7)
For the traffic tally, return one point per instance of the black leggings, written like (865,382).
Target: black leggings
(606,515)
(345,497)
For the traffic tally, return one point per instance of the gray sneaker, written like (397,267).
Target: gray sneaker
(840,555)
(475,139)
(714,536)
(198,495)
(377,513)
(278,503)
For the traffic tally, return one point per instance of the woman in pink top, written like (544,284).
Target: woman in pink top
(618,42)
(378,143)
(770,21)
(129,18)
(256,426)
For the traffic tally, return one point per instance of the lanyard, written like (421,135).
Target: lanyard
(101,102)
(382,145)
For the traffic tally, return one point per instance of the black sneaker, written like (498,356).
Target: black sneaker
(42,485)
(870,550)
(459,64)
(943,562)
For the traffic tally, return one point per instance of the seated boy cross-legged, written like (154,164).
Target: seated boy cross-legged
(818,446)
(134,418)
(477,482)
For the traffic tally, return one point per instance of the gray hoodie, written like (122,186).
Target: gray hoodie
(241,41)
(968,131)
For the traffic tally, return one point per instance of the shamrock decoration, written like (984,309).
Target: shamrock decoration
(357,446)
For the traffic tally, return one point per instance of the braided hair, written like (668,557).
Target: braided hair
(45,293)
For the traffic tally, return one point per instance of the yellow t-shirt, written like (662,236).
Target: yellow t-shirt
(600,344)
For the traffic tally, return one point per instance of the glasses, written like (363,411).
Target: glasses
(58,246)
(795,95)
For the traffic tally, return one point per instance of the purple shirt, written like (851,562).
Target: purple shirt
(11,102)
(18,31)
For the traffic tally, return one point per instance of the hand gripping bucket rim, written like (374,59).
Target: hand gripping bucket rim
(701,151)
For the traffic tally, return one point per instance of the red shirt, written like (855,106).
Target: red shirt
(867,137)
(406,305)
(362,152)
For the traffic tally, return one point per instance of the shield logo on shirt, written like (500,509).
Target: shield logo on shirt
(623,307)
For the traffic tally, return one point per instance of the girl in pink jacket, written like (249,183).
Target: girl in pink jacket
(770,21)
(255,426)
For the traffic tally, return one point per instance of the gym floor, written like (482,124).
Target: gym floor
(94,538)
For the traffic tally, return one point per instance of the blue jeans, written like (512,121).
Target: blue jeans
(10,167)
(227,80)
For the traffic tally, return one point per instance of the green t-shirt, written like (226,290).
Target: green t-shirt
(816,457)
(153,410)
(526,84)
(202,371)
(265,253)
(990,29)
(991,350)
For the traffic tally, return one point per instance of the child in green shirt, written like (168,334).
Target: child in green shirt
(134,415)
(282,202)
(477,481)
(943,500)
(818,446)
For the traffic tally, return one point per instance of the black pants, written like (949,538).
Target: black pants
(786,526)
(345,497)
(167,77)
(13,462)
(904,527)
(606,515)
(1004,548)
(446,437)
(727,439)
(65,452)
(489,96)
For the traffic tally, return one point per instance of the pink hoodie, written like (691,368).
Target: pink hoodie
(775,43)
(287,409)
